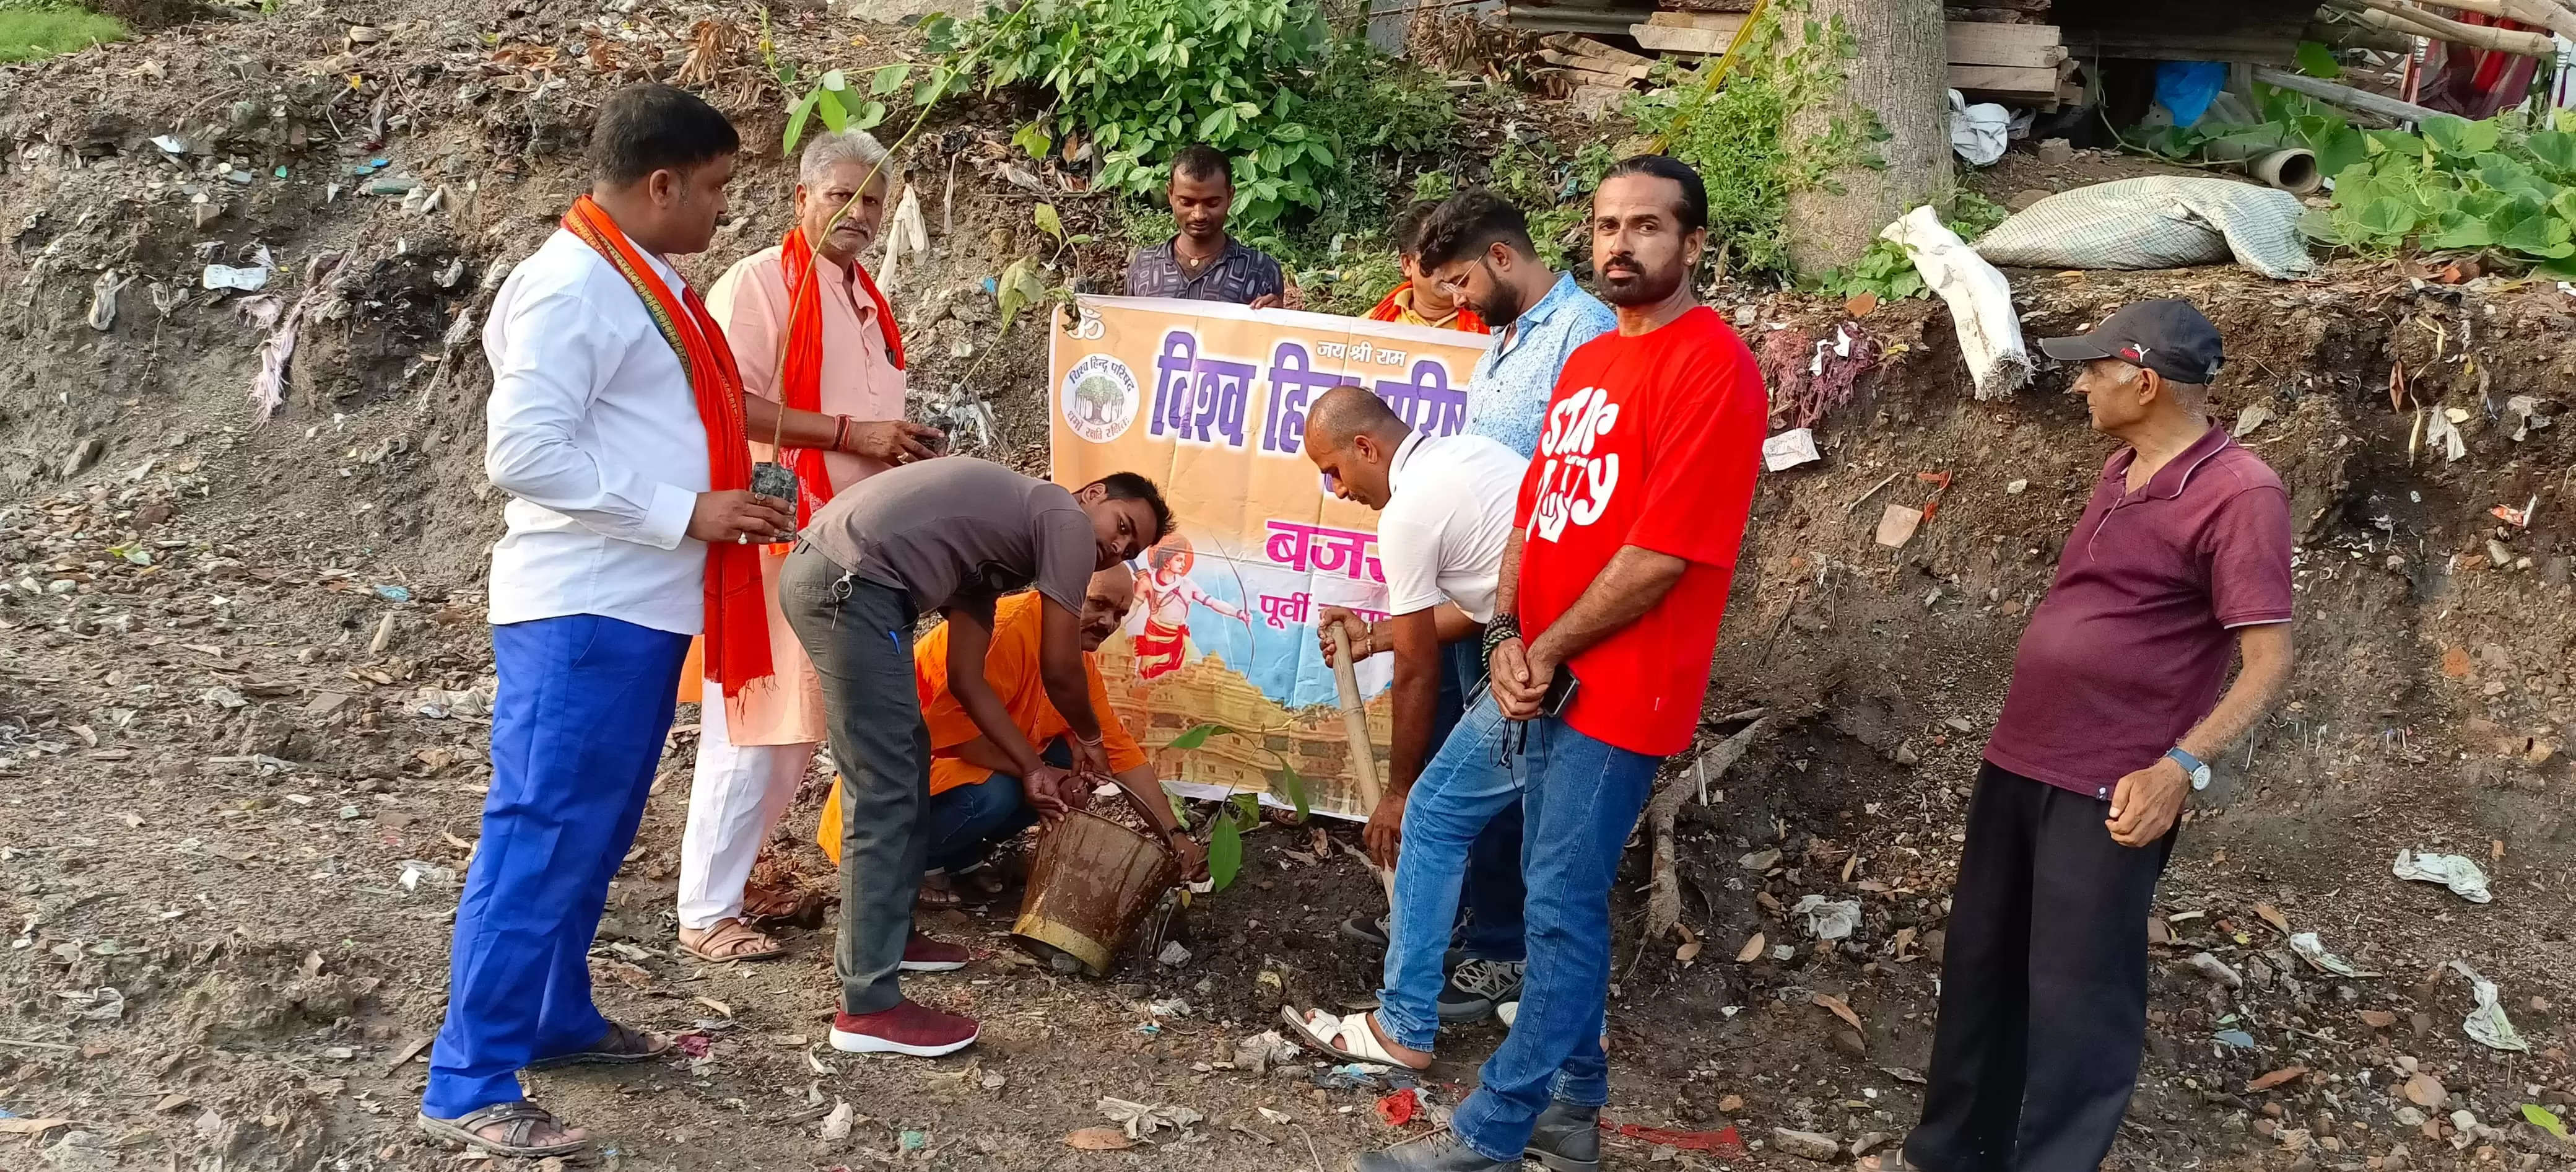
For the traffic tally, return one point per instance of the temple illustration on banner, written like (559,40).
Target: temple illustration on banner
(1207,690)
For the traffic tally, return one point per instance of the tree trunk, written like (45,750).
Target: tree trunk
(1900,74)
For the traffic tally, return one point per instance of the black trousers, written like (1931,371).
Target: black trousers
(2043,985)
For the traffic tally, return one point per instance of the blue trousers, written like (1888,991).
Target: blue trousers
(1582,799)
(577,732)
(961,822)
(1492,896)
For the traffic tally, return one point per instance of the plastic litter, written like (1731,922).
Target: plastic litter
(1401,1107)
(394,593)
(1828,919)
(2185,88)
(171,143)
(2453,871)
(1980,300)
(1979,132)
(248,280)
(1142,1119)
(2487,1024)
(102,299)
(2309,948)
(2159,222)
(1789,449)
(904,232)
(2236,1038)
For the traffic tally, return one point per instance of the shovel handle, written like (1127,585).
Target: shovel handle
(1346,683)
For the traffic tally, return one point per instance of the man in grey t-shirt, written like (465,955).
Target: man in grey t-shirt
(950,536)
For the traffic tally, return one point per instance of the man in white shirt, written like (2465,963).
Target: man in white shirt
(1444,515)
(617,425)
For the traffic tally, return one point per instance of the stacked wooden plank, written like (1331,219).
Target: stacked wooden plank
(2010,62)
(1596,77)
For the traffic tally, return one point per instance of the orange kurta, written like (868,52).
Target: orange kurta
(859,380)
(1012,666)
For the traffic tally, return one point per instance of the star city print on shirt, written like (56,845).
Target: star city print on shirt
(1575,485)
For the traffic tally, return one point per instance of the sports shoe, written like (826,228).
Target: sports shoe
(907,1028)
(1477,987)
(924,954)
(1440,1151)
(1566,1138)
(1372,934)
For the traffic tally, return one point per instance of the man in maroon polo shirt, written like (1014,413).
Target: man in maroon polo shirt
(2181,559)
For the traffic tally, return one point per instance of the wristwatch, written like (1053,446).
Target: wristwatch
(2192,766)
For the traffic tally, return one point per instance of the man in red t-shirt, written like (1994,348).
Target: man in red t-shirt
(2180,563)
(1605,620)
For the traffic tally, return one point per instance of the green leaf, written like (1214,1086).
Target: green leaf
(2555,149)
(1033,139)
(868,116)
(2393,142)
(796,116)
(2341,149)
(2545,1119)
(2453,135)
(2316,60)
(2387,217)
(1049,222)
(1292,785)
(2527,227)
(835,118)
(837,80)
(2561,269)
(1224,853)
(2457,230)
(888,79)
(1196,735)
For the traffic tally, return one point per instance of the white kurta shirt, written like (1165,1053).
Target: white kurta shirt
(1448,516)
(594,432)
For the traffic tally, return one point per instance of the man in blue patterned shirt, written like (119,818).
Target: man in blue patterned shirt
(1202,262)
(1477,247)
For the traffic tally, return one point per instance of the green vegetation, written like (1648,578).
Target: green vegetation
(2504,187)
(1238,815)
(1887,271)
(34,29)
(1313,121)
(1734,131)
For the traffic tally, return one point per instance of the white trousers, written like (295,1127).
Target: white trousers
(734,799)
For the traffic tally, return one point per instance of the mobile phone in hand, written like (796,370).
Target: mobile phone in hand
(1560,693)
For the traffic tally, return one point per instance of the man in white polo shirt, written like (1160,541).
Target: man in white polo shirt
(1445,513)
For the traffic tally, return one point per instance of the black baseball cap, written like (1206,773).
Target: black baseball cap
(2169,337)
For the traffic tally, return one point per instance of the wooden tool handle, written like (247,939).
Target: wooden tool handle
(1346,683)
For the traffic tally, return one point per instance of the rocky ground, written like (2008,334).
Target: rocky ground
(243,680)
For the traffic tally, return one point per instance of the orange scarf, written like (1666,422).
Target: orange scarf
(1398,300)
(737,638)
(800,374)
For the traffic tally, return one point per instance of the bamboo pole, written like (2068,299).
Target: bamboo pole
(2481,7)
(2345,96)
(2389,14)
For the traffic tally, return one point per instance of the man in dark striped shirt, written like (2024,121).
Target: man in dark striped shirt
(1202,263)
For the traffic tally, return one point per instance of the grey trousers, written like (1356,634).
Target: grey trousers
(859,635)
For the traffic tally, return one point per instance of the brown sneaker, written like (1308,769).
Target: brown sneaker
(905,1029)
(923,954)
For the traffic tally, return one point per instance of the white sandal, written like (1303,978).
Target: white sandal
(1348,1038)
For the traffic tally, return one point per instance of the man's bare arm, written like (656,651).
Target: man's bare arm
(1068,686)
(969,636)
(1507,583)
(1634,581)
(2266,650)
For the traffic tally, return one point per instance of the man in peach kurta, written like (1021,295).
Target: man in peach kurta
(753,747)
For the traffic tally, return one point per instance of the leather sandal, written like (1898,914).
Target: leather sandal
(730,940)
(523,1118)
(619,1046)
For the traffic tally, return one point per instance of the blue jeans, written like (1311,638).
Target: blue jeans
(1466,785)
(1583,799)
(576,734)
(961,822)
(1492,898)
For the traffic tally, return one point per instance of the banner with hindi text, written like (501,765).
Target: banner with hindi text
(1210,400)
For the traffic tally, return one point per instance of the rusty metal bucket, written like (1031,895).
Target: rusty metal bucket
(1094,882)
